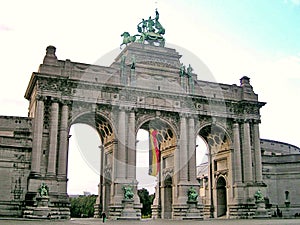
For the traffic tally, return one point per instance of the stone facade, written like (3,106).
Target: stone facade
(144,88)
(280,166)
(15,161)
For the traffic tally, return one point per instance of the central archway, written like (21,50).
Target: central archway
(162,145)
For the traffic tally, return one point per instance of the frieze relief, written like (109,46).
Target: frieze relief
(159,62)
(55,85)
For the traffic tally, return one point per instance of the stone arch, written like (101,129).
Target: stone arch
(167,138)
(107,133)
(151,118)
(219,145)
(204,131)
(75,118)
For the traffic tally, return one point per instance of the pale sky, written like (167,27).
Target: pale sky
(233,38)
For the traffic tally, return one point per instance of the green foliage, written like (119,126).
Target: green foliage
(147,201)
(83,206)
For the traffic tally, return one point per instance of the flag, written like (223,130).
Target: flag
(154,159)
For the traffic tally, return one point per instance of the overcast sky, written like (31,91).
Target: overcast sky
(233,38)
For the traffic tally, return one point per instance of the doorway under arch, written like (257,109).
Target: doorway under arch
(221,197)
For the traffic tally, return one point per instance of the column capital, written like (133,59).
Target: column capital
(39,97)
(55,100)
(256,121)
(247,120)
(236,125)
(183,115)
(191,116)
(237,120)
(130,109)
(66,102)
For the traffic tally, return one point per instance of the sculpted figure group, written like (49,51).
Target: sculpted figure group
(149,30)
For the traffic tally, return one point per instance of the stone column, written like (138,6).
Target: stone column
(176,171)
(100,197)
(131,147)
(63,143)
(38,126)
(247,157)
(183,150)
(192,150)
(121,154)
(237,153)
(51,169)
(257,152)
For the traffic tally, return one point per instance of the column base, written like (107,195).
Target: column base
(156,211)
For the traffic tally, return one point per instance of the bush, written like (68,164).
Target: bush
(83,206)
(147,201)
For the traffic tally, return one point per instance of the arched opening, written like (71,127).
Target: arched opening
(218,159)
(92,136)
(221,197)
(146,182)
(142,162)
(156,143)
(202,166)
(83,160)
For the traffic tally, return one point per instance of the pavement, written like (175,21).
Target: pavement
(92,221)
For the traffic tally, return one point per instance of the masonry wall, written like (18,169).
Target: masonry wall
(15,155)
(281,174)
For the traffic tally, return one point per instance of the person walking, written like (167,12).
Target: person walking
(103,215)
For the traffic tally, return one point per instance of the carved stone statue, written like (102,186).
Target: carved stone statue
(128,193)
(192,194)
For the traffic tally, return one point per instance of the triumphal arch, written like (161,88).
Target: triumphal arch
(146,87)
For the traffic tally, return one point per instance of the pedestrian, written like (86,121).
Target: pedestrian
(103,215)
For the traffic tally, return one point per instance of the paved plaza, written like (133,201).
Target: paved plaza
(151,222)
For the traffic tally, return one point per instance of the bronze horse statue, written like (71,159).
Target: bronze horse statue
(128,39)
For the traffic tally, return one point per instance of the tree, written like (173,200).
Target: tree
(83,206)
(147,201)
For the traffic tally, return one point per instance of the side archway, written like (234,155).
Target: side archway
(219,165)
(106,132)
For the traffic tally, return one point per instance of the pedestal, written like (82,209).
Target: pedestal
(40,211)
(286,213)
(128,212)
(261,211)
(193,213)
